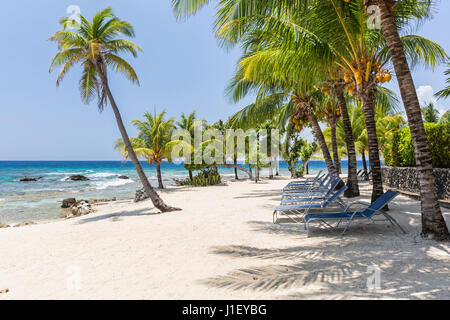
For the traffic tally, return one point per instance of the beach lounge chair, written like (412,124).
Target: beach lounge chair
(320,192)
(307,180)
(291,198)
(318,186)
(368,213)
(320,178)
(299,210)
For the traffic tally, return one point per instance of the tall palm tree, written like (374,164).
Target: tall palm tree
(153,141)
(433,223)
(96,46)
(393,15)
(337,88)
(430,113)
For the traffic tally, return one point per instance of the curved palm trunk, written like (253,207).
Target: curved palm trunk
(159,175)
(191,176)
(433,223)
(156,200)
(323,146)
(352,174)
(367,98)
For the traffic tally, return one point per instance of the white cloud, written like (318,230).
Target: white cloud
(426,95)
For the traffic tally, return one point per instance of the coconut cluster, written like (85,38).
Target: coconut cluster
(354,78)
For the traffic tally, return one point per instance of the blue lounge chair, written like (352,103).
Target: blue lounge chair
(290,198)
(311,191)
(307,180)
(302,209)
(320,179)
(364,213)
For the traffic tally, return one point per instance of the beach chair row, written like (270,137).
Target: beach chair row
(319,200)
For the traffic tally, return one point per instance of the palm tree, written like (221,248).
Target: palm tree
(96,46)
(430,113)
(153,141)
(445,118)
(445,93)
(433,223)
(244,16)
(187,123)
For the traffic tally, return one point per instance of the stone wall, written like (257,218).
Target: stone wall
(406,179)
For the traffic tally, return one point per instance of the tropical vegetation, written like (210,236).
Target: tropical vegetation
(307,57)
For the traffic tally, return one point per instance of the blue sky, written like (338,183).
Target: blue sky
(182,68)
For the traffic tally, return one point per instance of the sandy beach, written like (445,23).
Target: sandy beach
(223,245)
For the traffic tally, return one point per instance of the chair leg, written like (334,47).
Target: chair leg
(275,219)
(394,222)
(346,227)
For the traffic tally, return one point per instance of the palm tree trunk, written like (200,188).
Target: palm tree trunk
(271,169)
(158,173)
(337,163)
(191,176)
(433,223)
(250,173)
(294,170)
(156,200)
(235,168)
(367,97)
(323,145)
(363,155)
(277,166)
(352,174)
(307,167)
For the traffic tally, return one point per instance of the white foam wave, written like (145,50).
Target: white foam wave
(102,175)
(101,185)
(67,173)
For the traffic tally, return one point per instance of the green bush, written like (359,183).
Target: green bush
(300,170)
(402,152)
(207,177)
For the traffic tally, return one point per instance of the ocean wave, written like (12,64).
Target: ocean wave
(101,185)
(103,175)
(59,173)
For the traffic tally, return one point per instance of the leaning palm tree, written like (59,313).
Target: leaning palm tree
(96,46)
(153,141)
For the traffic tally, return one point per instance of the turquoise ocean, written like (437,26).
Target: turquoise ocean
(41,200)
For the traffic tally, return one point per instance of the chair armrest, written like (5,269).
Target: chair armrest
(355,203)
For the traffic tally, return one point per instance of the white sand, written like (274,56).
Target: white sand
(223,245)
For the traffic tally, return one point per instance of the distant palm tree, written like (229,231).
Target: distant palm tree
(430,113)
(445,118)
(153,141)
(95,45)
(445,93)
(187,123)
